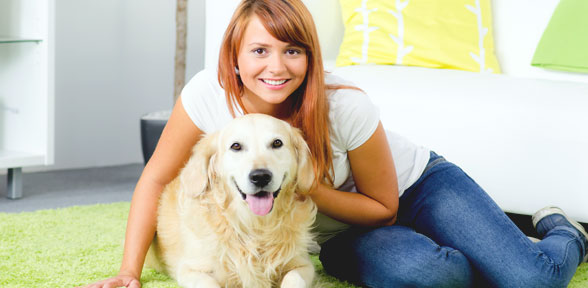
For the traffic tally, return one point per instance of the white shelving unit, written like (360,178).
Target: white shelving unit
(26,88)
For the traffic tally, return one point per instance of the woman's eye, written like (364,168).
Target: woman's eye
(259,51)
(277,143)
(236,146)
(293,52)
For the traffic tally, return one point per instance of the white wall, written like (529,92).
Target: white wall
(114,62)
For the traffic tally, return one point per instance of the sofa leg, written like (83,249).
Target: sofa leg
(14,184)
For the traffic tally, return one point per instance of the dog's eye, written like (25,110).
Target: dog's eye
(277,143)
(236,146)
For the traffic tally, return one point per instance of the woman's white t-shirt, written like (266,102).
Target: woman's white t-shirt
(352,117)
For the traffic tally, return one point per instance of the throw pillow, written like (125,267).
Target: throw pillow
(564,43)
(451,34)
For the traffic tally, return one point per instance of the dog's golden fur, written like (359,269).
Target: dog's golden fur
(208,236)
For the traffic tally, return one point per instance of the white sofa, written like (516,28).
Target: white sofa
(522,135)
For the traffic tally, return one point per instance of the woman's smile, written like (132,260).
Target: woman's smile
(275,84)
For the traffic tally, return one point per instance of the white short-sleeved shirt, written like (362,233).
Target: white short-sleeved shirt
(352,117)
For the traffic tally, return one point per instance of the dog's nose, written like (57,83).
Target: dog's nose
(260,177)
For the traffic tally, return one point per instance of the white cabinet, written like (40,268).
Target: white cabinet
(26,87)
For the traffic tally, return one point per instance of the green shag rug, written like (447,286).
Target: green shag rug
(78,245)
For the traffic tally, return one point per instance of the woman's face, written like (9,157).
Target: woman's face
(269,69)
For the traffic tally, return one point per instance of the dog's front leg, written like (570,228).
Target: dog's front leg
(189,277)
(300,277)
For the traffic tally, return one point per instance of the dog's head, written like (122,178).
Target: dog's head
(257,159)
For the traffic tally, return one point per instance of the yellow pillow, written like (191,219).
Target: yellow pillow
(449,34)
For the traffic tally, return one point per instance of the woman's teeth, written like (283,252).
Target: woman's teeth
(274,82)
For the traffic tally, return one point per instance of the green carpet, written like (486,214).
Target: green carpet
(77,245)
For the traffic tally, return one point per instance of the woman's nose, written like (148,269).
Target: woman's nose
(276,64)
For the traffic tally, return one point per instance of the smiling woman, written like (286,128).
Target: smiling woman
(271,70)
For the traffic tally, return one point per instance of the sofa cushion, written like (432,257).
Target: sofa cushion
(452,34)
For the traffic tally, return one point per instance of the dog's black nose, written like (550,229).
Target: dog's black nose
(260,177)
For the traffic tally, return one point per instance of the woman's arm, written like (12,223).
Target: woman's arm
(375,178)
(172,151)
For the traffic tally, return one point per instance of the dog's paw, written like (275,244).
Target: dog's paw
(293,280)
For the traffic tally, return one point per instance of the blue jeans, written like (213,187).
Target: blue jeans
(450,233)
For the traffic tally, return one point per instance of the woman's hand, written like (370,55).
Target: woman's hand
(117,281)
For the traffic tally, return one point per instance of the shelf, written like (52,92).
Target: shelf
(27,88)
(11,159)
(4,40)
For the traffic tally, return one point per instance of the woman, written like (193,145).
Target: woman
(412,218)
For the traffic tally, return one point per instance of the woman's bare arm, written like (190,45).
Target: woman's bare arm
(173,150)
(375,178)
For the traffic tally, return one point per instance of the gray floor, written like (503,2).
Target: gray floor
(58,189)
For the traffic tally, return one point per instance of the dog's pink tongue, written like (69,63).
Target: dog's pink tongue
(261,203)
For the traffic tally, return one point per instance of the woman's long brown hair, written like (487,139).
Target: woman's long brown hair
(288,21)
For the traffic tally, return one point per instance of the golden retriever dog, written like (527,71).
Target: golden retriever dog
(239,214)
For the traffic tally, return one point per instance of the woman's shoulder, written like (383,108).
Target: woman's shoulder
(352,115)
(332,79)
(203,87)
(343,94)
(205,78)
(205,102)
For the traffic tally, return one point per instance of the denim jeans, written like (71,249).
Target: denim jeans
(450,233)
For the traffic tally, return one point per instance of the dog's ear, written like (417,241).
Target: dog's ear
(305,172)
(198,173)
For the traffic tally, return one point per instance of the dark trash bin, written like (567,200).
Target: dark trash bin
(152,125)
